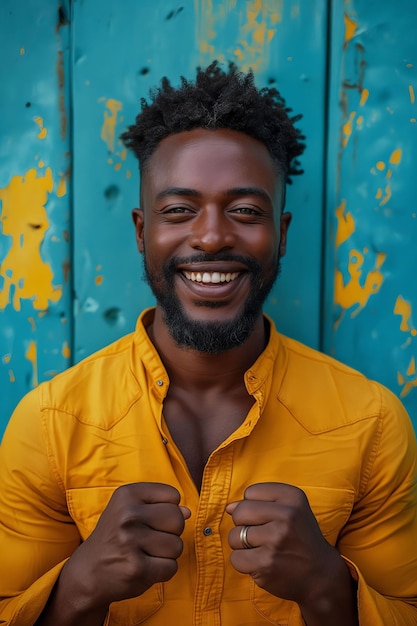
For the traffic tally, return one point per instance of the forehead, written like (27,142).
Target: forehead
(211,159)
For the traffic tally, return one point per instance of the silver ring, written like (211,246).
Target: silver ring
(244,537)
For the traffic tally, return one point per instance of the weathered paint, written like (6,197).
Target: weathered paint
(360,286)
(370,273)
(257,22)
(24,219)
(35,193)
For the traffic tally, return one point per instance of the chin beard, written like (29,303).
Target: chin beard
(206,336)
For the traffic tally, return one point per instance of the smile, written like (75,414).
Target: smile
(211,277)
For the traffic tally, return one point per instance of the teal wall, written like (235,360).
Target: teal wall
(72,76)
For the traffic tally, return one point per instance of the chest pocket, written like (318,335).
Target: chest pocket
(85,507)
(331,508)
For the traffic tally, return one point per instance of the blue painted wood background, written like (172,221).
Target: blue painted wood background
(72,76)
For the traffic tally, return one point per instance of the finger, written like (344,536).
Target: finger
(161,516)
(149,493)
(231,507)
(257,512)
(255,536)
(246,561)
(160,544)
(274,492)
(159,569)
(185,511)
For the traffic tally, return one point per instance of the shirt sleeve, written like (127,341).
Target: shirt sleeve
(379,541)
(37,535)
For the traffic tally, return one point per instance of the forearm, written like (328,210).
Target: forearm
(70,604)
(334,602)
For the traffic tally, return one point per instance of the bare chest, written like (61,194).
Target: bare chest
(198,424)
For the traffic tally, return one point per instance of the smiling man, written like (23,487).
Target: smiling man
(206,470)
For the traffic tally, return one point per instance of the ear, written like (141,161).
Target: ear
(284,226)
(137,217)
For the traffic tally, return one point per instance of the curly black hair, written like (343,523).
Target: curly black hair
(218,99)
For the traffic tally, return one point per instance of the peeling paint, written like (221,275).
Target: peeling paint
(66,351)
(345,224)
(32,356)
(408,380)
(411,93)
(347,129)
(25,274)
(42,130)
(364,97)
(259,27)
(108,130)
(353,292)
(403,308)
(350,29)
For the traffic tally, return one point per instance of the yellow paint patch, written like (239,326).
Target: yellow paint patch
(358,291)
(364,97)
(66,351)
(258,27)
(108,129)
(24,219)
(359,121)
(31,355)
(350,28)
(403,308)
(32,323)
(345,224)
(378,194)
(12,377)
(7,358)
(22,51)
(42,130)
(62,187)
(98,280)
(387,196)
(347,128)
(412,95)
(396,156)
(380,166)
(408,385)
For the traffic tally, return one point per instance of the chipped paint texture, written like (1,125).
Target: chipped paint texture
(371,194)
(257,22)
(35,193)
(24,273)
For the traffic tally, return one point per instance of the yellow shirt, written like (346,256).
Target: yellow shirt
(346,441)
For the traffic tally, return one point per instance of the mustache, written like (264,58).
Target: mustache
(171,266)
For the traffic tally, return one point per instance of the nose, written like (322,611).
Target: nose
(211,231)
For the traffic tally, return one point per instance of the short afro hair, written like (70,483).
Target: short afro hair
(218,99)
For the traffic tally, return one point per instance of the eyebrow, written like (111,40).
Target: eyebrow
(235,191)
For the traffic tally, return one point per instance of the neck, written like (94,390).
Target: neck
(190,368)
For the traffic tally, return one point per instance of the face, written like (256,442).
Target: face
(212,232)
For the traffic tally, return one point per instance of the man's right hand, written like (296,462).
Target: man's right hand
(135,544)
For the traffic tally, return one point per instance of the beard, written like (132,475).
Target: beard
(207,336)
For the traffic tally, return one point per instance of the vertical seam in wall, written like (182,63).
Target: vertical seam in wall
(69,6)
(324,215)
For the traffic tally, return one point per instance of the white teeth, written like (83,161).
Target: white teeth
(211,277)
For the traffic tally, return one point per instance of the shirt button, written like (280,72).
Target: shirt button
(208,531)
(159,383)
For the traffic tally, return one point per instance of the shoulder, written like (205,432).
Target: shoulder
(324,394)
(98,391)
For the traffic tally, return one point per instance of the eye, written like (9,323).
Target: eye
(245,210)
(177,210)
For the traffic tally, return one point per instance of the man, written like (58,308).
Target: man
(206,470)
